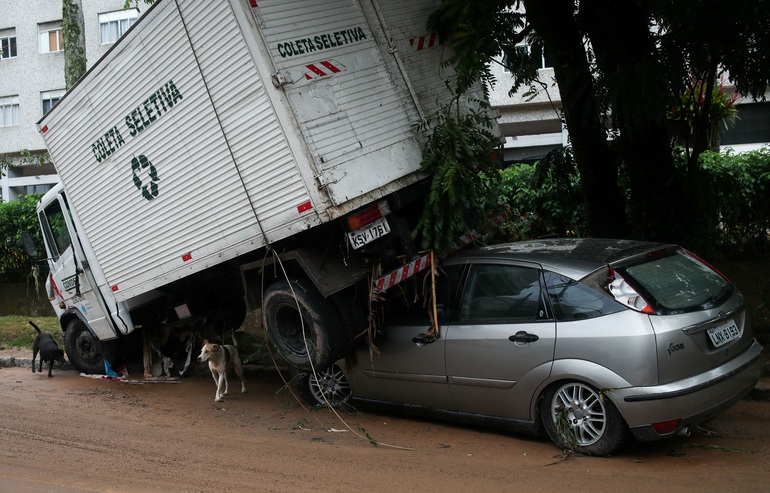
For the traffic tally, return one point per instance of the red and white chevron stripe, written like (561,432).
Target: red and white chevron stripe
(422,42)
(403,273)
(421,263)
(323,69)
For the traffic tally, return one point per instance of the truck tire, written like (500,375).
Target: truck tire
(302,325)
(86,352)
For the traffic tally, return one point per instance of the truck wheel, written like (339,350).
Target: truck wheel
(301,325)
(85,352)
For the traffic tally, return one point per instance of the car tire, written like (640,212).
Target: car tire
(302,326)
(326,387)
(578,418)
(85,351)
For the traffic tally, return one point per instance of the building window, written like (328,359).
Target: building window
(30,189)
(9,111)
(752,126)
(537,53)
(112,25)
(8,43)
(50,98)
(51,37)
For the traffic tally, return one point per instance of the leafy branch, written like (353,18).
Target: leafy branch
(459,150)
(24,158)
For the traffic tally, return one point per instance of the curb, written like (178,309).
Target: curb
(12,361)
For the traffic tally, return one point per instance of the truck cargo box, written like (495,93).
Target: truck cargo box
(214,128)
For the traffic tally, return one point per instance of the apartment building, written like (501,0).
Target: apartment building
(32,79)
(532,126)
(530,121)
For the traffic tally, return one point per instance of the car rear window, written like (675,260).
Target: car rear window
(678,283)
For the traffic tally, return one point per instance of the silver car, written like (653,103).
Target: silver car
(591,341)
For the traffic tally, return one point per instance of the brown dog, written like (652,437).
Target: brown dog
(221,357)
(48,349)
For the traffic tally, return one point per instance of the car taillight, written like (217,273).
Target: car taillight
(627,295)
(364,217)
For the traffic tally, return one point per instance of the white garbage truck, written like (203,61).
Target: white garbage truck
(227,155)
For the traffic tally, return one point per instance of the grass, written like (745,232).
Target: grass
(16,332)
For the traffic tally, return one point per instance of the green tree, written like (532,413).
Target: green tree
(584,112)
(621,65)
(701,102)
(75,59)
(74,41)
(458,154)
(17,216)
(129,3)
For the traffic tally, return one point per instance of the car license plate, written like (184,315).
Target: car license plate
(722,334)
(369,233)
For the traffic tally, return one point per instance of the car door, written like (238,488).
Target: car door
(403,367)
(402,370)
(500,347)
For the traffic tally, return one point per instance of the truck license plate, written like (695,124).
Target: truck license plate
(722,334)
(369,233)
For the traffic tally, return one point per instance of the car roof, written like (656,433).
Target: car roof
(574,257)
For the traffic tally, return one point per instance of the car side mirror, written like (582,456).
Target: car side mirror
(29,244)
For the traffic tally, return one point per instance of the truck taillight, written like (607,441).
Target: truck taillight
(364,217)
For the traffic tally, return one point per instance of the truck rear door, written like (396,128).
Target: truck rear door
(354,113)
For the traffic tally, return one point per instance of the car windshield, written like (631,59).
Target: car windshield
(679,283)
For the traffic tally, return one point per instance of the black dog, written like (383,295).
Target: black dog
(49,350)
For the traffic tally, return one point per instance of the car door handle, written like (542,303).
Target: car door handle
(522,336)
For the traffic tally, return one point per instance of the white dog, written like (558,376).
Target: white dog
(221,357)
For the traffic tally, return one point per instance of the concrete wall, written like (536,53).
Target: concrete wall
(21,299)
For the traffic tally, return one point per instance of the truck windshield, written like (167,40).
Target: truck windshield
(57,237)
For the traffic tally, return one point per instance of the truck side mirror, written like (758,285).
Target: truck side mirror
(29,244)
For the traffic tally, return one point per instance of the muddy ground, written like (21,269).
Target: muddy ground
(75,434)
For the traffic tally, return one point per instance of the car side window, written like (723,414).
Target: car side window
(410,302)
(573,300)
(501,293)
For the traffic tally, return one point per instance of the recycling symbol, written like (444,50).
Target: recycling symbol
(141,167)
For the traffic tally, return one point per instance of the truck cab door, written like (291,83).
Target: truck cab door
(70,283)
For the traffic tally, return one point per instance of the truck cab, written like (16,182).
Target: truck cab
(73,286)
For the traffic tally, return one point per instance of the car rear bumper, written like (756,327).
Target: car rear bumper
(692,400)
